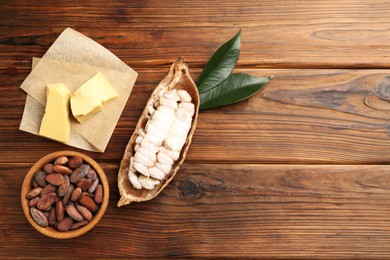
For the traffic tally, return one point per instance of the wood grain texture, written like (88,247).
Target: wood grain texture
(300,170)
(226,211)
(302,116)
(314,34)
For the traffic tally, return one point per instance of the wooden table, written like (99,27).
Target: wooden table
(300,170)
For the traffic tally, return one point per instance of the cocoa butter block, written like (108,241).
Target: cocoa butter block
(55,123)
(91,97)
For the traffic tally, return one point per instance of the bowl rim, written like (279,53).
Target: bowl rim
(27,186)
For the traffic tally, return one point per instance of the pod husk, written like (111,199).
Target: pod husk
(178,78)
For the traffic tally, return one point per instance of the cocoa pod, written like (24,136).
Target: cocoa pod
(67,196)
(84,184)
(52,217)
(65,224)
(73,213)
(178,79)
(75,162)
(34,193)
(39,217)
(48,168)
(55,179)
(62,169)
(88,202)
(33,202)
(48,188)
(93,186)
(62,160)
(79,173)
(64,187)
(84,212)
(98,197)
(76,194)
(40,178)
(79,224)
(59,211)
(46,201)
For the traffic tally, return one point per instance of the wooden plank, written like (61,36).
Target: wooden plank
(287,34)
(302,116)
(224,210)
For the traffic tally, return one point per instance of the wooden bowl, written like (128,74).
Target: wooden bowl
(27,187)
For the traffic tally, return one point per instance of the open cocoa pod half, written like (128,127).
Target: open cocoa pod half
(161,138)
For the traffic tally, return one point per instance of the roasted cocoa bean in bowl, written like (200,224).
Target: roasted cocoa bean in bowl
(65,194)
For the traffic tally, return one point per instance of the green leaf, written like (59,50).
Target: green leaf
(235,88)
(220,65)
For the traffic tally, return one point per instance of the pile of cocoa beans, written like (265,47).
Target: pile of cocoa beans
(65,194)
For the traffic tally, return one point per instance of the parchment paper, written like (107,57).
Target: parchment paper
(73,59)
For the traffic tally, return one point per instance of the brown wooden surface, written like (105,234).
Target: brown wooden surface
(300,170)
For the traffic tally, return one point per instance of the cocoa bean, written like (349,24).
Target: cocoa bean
(84,184)
(58,188)
(46,213)
(88,202)
(48,168)
(35,184)
(93,186)
(34,193)
(65,224)
(52,217)
(88,194)
(92,174)
(48,188)
(73,213)
(33,202)
(59,211)
(79,173)
(64,187)
(84,212)
(47,210)
(62,160)
(76,194)
(75,162)
(62,169)
(67,196)
(40,178)
(98,197)
(39,217)
(46,201)
(55,179)
(79,224)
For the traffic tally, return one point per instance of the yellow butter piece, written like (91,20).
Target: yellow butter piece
(91,97)
(56,123)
